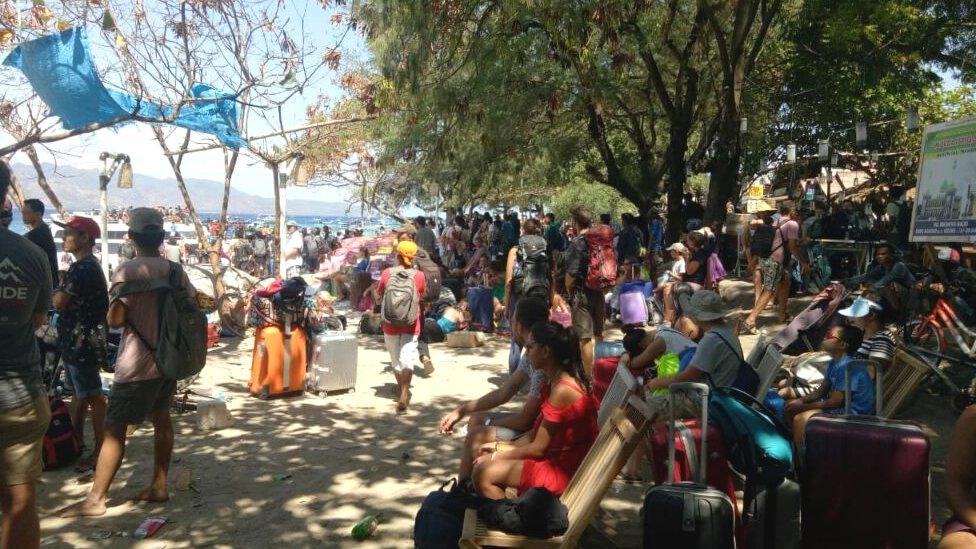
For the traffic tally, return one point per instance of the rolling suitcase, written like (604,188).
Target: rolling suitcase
(771,519)
(334,363)
(687,439)
(275,372)
(633,304)
(688,515)
(865,481)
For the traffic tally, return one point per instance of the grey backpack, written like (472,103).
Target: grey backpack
(181,351)
(400,304)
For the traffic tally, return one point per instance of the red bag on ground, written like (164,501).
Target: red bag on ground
(602,270)
(213,334)
(604,369)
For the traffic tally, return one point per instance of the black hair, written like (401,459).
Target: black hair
(34,205)
(605,218)
(889,246)
(581,216)
(565,349)
(531,226)
(530,311)
(5,177)
(421,220)
(148,241)
(632,341)
(851,336)
(497,266)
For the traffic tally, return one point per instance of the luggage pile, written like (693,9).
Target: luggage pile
(288,359)
(842,482)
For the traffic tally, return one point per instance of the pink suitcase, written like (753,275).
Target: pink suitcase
(865,483)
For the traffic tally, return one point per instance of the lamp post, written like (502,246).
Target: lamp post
(125,181)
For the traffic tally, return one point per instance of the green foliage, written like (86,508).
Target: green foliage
(594,196)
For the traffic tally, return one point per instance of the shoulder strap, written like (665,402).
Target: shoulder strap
(573,386)
(726,341)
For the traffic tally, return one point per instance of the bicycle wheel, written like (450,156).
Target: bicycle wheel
(924,335)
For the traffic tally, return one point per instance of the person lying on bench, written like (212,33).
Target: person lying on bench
(562,434)
(841,342)
(485,428)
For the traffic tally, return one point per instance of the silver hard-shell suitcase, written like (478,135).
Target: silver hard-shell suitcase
(334,363)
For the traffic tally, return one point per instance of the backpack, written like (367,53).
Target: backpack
(260,247)
(432,276)
(181,351)
(60,447)
(761,244)
(531,276)
(370,324)
(242,253)
(602,268)
(758,445)
(440,519)
(400,304)
(320,246)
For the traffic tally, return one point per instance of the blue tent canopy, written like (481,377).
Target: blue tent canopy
(60,69)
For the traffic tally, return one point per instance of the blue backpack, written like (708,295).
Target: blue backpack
(758,444)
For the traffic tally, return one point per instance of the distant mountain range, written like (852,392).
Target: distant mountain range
(78,190)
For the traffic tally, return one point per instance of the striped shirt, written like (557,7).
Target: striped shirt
(880,346)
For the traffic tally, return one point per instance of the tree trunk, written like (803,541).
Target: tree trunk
(724,183)
(42,181)
(677,177)
(175,162)
(229,165)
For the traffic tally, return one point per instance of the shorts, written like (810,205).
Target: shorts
(133,402)
(772,273)
(504,433)
(589,311)
(954,526)
(21,432)
(403,351)
(82,381)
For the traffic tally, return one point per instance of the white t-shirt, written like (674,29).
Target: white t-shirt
(678,267)
(675,341)
(294,244)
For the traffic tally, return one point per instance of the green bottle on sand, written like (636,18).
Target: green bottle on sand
(365,528)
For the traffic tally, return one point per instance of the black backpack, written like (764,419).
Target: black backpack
(531,275)
(432,276)
(440,519)
(60,447)
(761,244)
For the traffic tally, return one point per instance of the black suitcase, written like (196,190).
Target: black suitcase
(688,515)
(772,516)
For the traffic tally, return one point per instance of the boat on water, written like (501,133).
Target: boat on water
(116,231)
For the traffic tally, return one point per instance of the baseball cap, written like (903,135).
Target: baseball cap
(861,307)
(81,224)
(145,220)
(291,223)
(678,247)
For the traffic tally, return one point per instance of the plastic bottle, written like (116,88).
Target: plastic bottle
(366,527)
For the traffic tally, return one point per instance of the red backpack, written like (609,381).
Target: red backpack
(602,271)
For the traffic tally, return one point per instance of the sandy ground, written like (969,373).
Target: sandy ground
(348,455)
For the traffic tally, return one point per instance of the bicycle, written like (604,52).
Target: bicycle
(928,331)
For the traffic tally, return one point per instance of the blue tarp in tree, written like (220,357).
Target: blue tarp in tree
(60,69)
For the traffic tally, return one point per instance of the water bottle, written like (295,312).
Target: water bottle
(366,527)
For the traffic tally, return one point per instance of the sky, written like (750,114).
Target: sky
(251,175)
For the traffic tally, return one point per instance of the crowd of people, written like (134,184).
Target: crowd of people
(551,286)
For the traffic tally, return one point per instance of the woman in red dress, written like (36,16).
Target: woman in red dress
(563,432)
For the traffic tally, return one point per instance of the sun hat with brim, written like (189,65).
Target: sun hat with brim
(861,307)
(704,305)
(760,205)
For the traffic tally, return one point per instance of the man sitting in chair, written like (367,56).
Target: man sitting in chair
(485,428)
